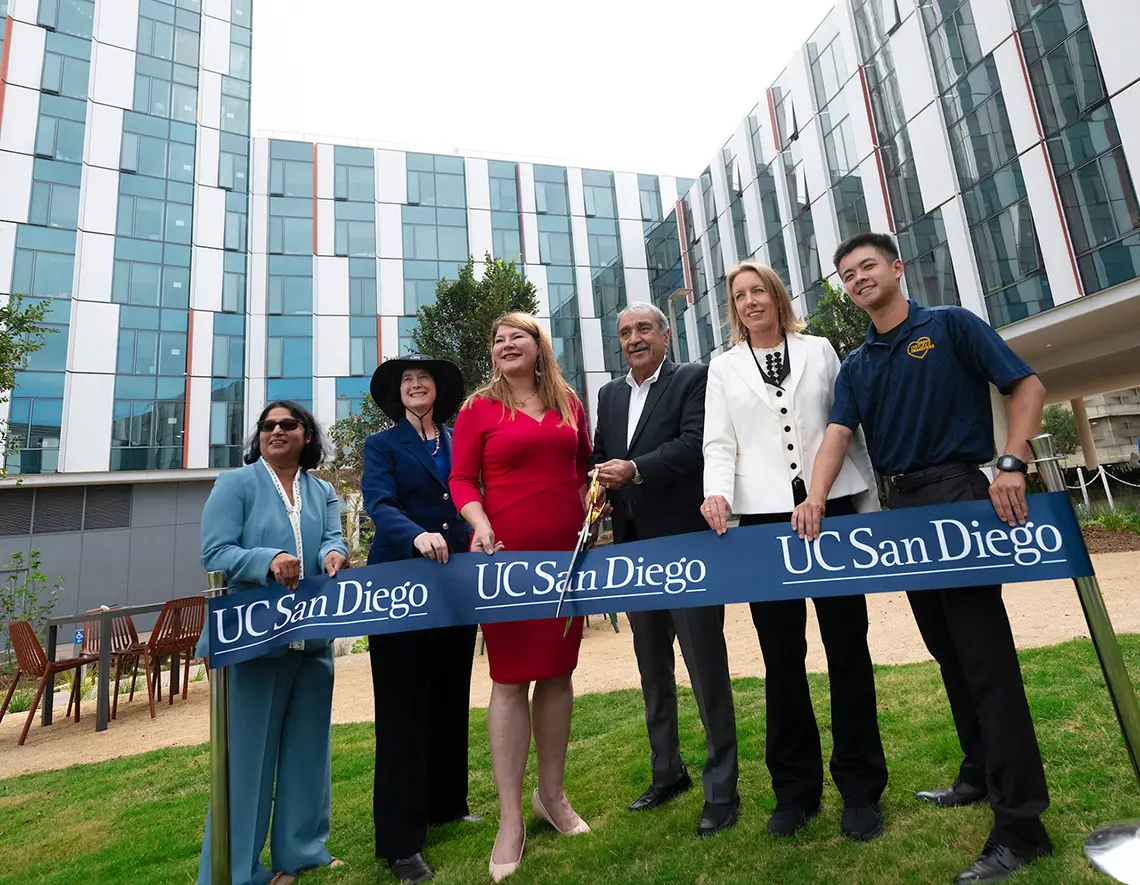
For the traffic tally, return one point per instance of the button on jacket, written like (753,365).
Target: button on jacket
(759,437)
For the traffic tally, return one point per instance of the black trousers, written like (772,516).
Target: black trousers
(967,631)
(792,748)
(421,682)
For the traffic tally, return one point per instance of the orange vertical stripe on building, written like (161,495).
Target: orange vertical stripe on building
(186,408)
(314,199)
(772,117)
(1048,165)
(4,65)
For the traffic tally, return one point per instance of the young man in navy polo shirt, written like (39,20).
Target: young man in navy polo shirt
(920,388)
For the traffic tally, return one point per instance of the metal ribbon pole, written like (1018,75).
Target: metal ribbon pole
(1113,849)
(216,586)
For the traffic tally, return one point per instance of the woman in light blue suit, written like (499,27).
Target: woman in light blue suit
(272,521)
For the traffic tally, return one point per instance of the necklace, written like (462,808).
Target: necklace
(438,437)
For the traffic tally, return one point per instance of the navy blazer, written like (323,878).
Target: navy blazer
(405,495)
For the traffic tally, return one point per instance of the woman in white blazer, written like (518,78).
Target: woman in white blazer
(766,408)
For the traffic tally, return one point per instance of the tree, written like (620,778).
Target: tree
(21,334)
(839,320)
(1058,421)
(458,326)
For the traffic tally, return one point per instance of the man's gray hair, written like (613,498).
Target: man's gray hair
(659,317)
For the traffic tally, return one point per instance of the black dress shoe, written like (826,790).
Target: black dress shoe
(953,796)
(861,822)
(999,862)
(412,869)
(717,816)
(655,795)
(786,819)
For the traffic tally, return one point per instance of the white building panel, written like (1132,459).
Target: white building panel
(391,177)
(584,291)
(202,352)
(595,381)
(628,195)
(93,325)
(330,286)
(257,287)
(219,9)
(1015,93)
(198,422)
(826,235)
(259,166)
(390,230)
(859,120)
(1051,236)
(207,268)
(88,400)
(24,10)
(16,192)
(753,218)
(530,247)
(208,155)
(95,266)
(21,116)
(667,186)
(479,238)
(215,53)
(932,161)
(259,223)
(1126,106)
(536,273)
(576,194)
(994,24)
(877,214)
(324,401)
(209,217)
(26,55)
(478,184)
(632,243)
(104,135)
(210,101)
(326,171)
(112,75)
(962,257)
(526,189)
(100,202)
(7,251)
(916,81)
(637,285)
(330,355)
(326,227)
(593,359)
(117,23)
(1114,25)
(389,337)
(391,283)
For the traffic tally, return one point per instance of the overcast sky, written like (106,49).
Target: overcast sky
(630,85)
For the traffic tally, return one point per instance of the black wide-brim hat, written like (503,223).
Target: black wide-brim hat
(385,386)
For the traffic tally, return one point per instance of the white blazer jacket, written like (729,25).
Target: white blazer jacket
(757,436)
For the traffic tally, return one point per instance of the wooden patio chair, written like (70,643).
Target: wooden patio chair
(176,632)
(31,661)
(125,649)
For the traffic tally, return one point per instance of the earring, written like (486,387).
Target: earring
(537,370)
(496,375)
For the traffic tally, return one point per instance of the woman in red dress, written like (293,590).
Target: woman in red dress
(524,438)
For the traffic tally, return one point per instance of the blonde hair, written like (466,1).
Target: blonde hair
(553,390)
(785,312)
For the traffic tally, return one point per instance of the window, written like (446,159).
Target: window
(227,404)
(235,106)
(59,134)
(355,229)
(229,346)
(69,16)
(350,393)
(598,190)
(436,181)
(233,284)
(1067,82)
(926,256)
(828,71)
(602,240)
(290,235)
(234,235)
(983,141)
(240,58)
(503,179)
(506,242)
(650,197)
(550,192)
(353,174)
(420,279)
(233,163)
(954,45)
(875,20)
(362,355)
(290,178)
(55,194)
(289,351)
(290,285)
(52,357)
(67,66)
(43,266)
(361,287)
(708,198)
(554,243)
(405,327)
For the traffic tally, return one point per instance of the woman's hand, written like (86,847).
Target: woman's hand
(286,570)
(334,562)
(483,540)
(431,545)
(716,512)
(806,517)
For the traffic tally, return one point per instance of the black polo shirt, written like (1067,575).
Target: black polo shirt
(924,399)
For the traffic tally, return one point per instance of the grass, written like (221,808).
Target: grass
(1123,519)
(140,819)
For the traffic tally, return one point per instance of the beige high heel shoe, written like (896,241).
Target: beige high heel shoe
(500,871)
(577,830)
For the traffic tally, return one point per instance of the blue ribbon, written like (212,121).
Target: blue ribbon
(923,548)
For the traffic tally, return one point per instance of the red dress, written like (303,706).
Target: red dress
(532,473)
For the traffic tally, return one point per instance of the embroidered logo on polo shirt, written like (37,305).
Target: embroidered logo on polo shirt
(919,348)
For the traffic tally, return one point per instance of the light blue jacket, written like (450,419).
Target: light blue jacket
(244,526)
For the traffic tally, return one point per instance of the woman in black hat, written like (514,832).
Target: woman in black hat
(421,680)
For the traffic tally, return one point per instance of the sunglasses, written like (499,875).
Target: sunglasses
(286,424)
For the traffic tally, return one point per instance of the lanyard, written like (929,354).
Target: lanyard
(294,509)
(782,368)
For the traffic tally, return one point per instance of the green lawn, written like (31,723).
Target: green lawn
(139,820)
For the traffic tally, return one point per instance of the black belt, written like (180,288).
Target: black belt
(908,482)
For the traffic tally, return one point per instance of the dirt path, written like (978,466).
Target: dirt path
(1041,614)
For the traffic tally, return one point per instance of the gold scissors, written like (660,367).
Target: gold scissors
(595,510)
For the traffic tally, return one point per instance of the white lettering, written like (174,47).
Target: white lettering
(507,578)
(866,548)
(283,607)
(343,585)
(652,571)
(614,560)
(942,540)
(909,543)
(788,556)
(819,554)
(220,614)
(481,568)
(1056,537)
(890,553)
(541,570)
(992,537)
(249,618)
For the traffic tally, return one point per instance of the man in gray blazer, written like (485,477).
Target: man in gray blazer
(647,447)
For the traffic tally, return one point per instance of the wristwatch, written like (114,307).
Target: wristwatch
(1011,464)
(637,480)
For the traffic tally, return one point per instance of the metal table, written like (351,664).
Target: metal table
(103,707)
